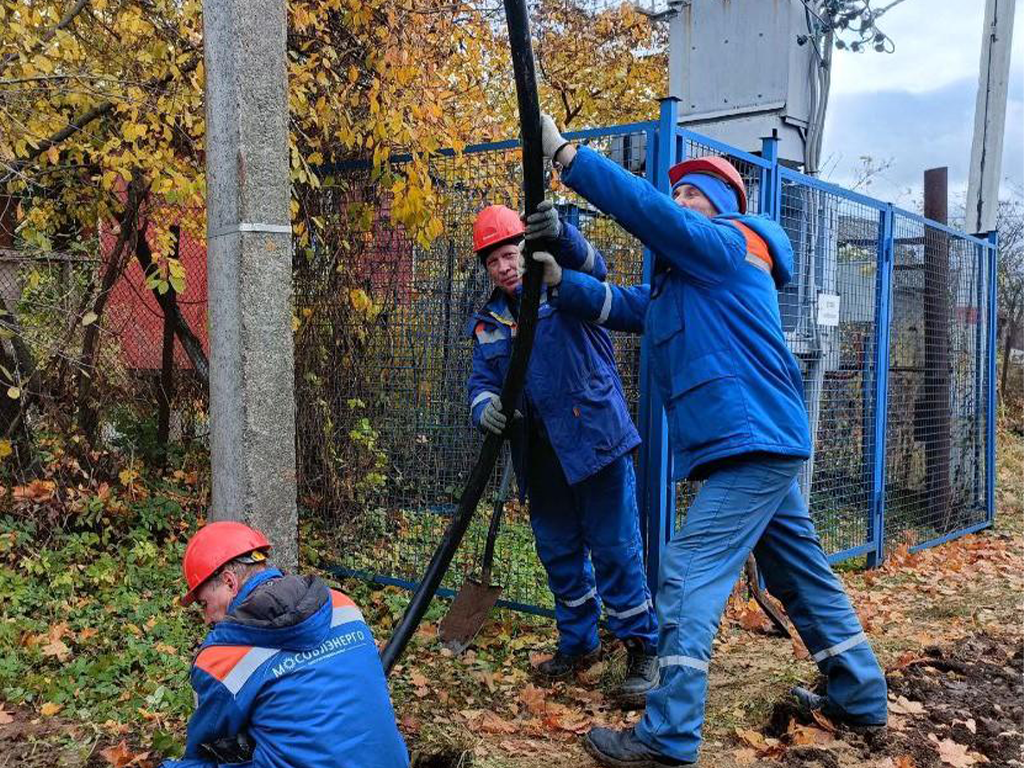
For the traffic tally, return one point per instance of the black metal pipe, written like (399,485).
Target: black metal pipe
(533,183)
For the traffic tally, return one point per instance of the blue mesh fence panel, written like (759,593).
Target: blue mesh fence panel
(935,463)
(835,243)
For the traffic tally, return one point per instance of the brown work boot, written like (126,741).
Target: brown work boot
(563,664)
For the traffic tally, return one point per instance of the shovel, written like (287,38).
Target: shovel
(476,598)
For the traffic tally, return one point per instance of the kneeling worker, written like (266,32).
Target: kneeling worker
(289,675)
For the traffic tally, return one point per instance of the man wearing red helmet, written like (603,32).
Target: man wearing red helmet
(289,675)
(734,405)
(570,449)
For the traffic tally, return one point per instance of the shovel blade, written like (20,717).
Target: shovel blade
(467,614)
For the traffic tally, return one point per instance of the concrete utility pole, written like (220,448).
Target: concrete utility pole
(252,401)
(990,117)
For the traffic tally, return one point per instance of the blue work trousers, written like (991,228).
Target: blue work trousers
(751,505)
(592,526)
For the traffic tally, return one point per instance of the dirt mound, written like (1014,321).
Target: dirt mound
(958,706)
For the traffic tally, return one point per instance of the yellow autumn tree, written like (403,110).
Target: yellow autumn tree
(594,67)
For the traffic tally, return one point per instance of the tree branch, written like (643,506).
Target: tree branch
(73,11)
(77,124)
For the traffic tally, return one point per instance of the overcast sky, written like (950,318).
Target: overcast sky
(916,107)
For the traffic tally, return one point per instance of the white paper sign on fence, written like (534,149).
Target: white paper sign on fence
(828,309)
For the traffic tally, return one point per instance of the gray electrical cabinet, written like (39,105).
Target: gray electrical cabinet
(738,71)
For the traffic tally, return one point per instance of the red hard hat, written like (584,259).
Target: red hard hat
(214,545)
(496,224)
(715,166)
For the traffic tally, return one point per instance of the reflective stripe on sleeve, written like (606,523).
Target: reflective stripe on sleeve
(606,308)
(759,263)
(481,397)
(588,263)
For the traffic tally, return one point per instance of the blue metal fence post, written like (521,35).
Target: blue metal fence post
(980,361)
(769,204)
(571,213)
(656,504)
(993,319)
(883,319)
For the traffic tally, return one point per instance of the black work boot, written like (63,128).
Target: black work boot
(642,674)
(809,701)
(563,664)
(622,749)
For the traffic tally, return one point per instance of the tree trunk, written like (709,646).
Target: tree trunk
(88,420)
(1011,335)
(165,385)
(169,304)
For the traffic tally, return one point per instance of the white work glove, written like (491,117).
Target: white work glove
(543,223)
(492,419)
(551,140)
(552,271)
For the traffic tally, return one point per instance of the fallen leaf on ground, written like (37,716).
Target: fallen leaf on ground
(417,679)
(534,698)
(536,659)
(904,706)
(751,738)
(491,723)
(5,717)
(121,757)
(823,722)
(49,708)
(744,756)
(805,735)
(411,724)
(57,648)
(957,755)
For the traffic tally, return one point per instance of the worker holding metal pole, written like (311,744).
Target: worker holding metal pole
(289,675)
(736,417)
(571,449)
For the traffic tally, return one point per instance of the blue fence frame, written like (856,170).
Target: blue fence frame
(667,144)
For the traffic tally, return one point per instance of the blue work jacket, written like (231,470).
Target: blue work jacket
(572,385)
(295,669)
(729,382)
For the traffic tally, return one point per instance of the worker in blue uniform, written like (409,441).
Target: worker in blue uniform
(289,675)
(733,399)
(571,449)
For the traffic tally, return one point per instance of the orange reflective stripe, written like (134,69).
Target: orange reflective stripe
(755,245)
(219,660)
(339,600)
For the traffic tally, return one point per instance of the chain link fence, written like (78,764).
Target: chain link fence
(85,346)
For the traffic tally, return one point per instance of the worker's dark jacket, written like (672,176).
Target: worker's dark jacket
(572,385)
(294,671)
